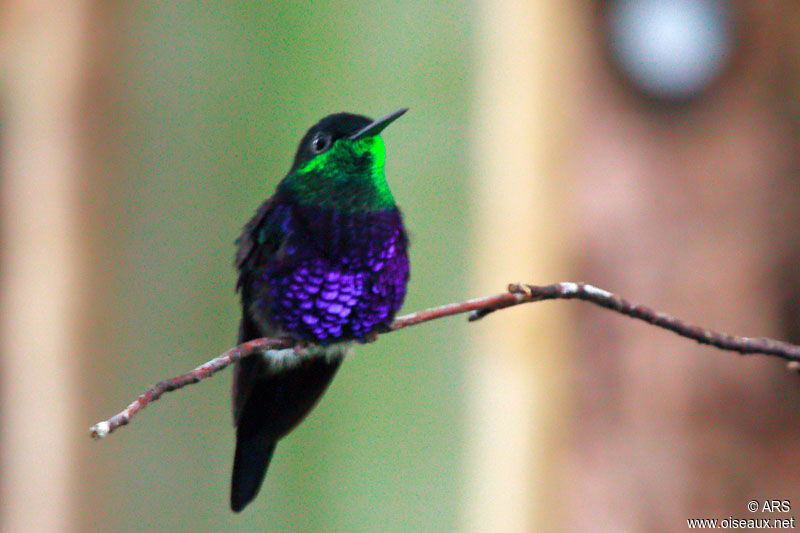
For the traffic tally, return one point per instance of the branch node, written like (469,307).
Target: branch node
(520,288)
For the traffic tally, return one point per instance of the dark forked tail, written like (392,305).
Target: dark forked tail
(253,453)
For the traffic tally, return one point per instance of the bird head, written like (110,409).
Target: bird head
(339,164)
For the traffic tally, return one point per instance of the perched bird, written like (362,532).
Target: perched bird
(323,262)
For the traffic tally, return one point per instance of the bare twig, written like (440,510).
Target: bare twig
(101,429)
(478,308)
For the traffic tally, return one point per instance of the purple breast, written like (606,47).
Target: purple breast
(342,281)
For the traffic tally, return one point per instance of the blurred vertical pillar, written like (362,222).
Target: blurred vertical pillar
(39,282)
(690,209)
(517,396)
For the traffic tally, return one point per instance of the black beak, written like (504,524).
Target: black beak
(376,127)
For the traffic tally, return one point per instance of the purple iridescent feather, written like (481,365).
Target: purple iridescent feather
(337,276)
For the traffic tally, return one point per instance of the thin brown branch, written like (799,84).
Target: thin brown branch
(101,429)
(590,293)
(478,308)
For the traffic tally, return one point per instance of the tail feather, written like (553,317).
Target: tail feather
(253,454)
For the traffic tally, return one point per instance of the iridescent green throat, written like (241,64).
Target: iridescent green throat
(349,177)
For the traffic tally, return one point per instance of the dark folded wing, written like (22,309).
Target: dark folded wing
(257,246)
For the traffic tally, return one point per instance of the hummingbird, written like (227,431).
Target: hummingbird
(323,262)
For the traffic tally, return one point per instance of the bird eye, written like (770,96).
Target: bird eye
(320,143)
